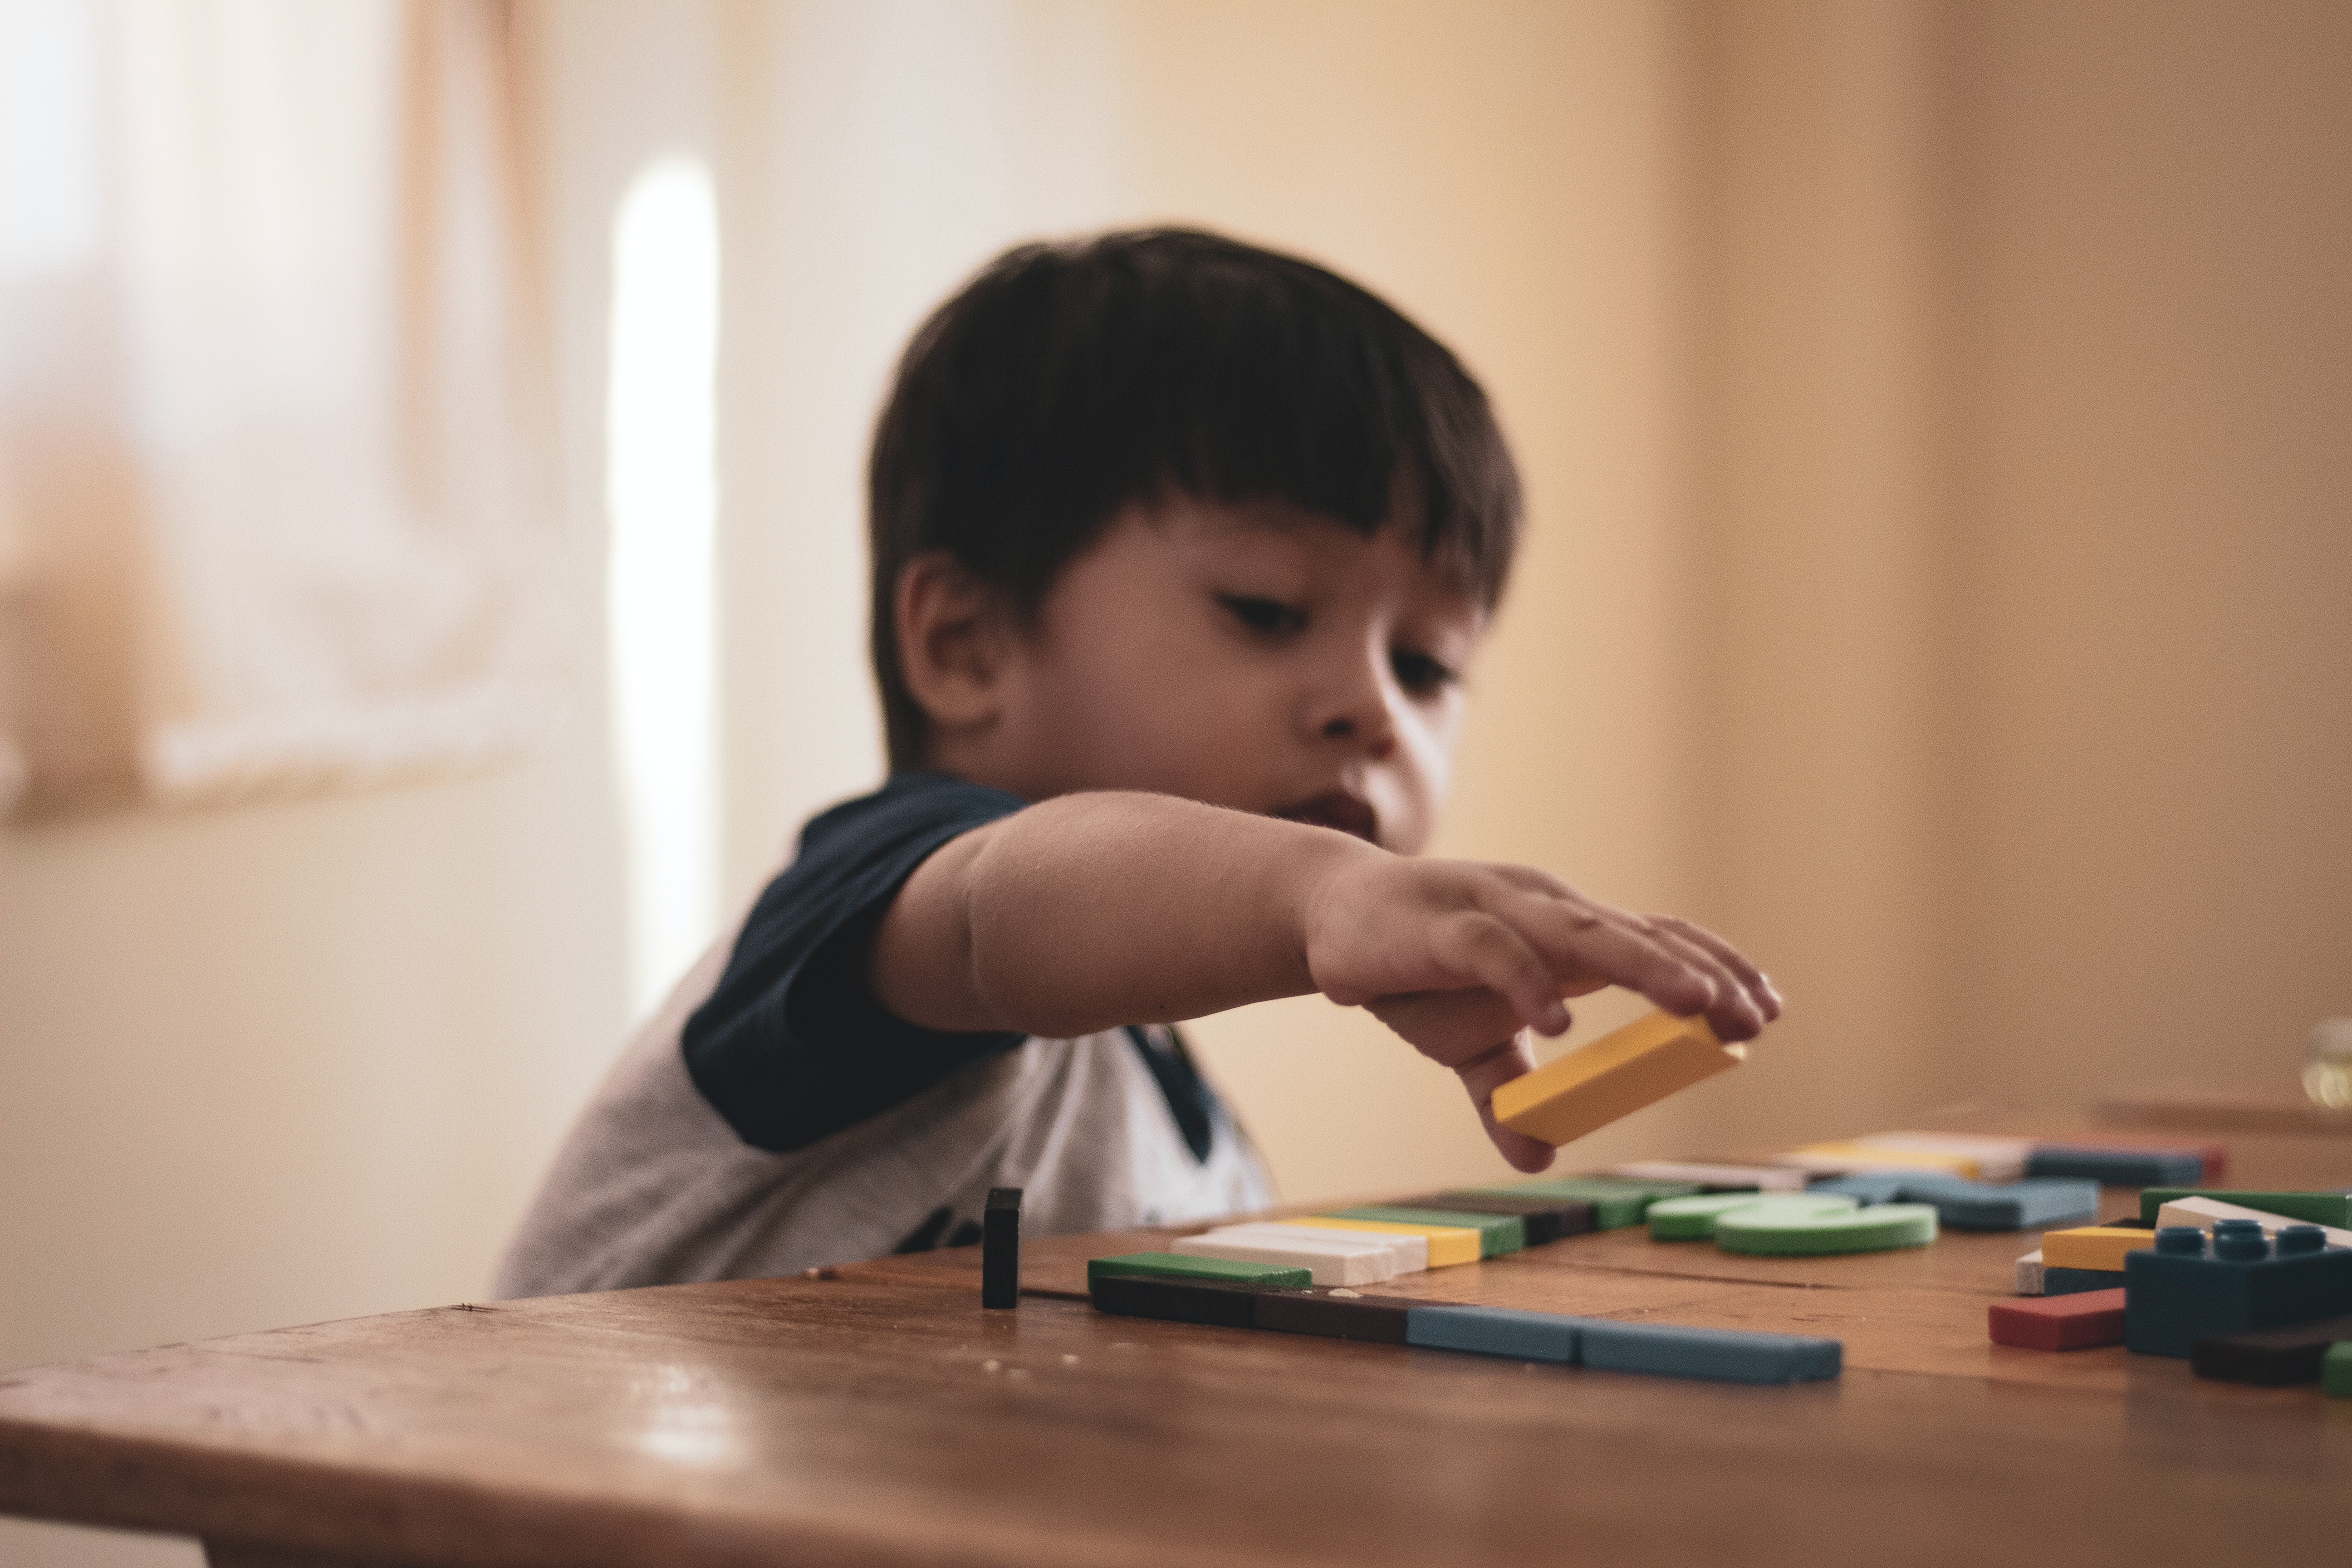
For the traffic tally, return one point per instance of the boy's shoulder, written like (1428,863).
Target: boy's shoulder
(912,800)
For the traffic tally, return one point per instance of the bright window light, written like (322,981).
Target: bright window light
(661,491)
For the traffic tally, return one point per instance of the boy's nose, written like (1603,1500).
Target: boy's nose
(1377,736)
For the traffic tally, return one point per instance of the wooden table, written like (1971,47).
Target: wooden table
(881,1417)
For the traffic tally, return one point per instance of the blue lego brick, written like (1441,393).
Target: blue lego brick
(2068,1281)
(2192,1285)
(1495,1330)
(1722,1355)
(2119,1167)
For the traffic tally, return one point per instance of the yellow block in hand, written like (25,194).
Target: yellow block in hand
(1614,1076)
(1447,1244)
(2100,1246)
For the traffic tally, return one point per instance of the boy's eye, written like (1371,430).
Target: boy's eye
(1269,616)
(1418,673)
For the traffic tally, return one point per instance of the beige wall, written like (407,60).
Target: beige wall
(1940,580)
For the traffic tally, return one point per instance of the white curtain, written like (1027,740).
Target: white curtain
(276,509)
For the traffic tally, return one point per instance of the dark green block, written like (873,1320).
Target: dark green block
(1547,1219)
(1498,1233)
(2331,1209)
(1220,1303)
(2335,1371)
(1173,1265)
(1617,1201)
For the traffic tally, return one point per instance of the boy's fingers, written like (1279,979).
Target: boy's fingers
(1487,1072)
(1487,952)
(1735,1013)
(1581,941)
(1753,980)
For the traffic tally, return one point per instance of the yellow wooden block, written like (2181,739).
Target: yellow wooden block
(1858,1157)
(1447,1243)
(2100,1246)
(1616,1076)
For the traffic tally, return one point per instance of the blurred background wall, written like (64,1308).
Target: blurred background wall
(1940,581)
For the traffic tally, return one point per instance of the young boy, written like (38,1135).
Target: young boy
(1181,550)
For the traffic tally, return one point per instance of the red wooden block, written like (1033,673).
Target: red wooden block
(2073,1322)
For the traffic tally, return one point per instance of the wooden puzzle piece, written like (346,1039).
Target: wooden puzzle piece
(1494,1331)
(2331,1209)
(1963,1204)
(1376,1320)
(1410,1253)
(2059,1322)
(1776,1229)
(1498,1233)
(2121,1167)
(2102,1246)
(1616,1202)
(1448,1243)
(1616,1076)
(2335,1371)
(1848,1158)
(1694,1218)
(2029,1274)
(1996,1159)
(1545,1219)
(1325,1262)
(1175,1266)
(1719,1355)
(1000,1249)
(2073,1281)
(2193,1286)
(1223,1303)
(2200,1213)
(1709,1176)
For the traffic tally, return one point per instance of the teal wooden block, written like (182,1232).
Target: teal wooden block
(1721,1355)
(1495,1330)
(1498,1233)
(1173,1265)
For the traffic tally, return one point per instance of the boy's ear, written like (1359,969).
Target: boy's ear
(954,636)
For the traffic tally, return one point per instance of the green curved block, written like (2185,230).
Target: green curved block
(1880,1229)
(1694,1218)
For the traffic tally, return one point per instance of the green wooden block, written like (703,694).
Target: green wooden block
(1790,1231)
(1617,1201)
(1694,1218)
(2335,1371)
(1171,1266)
(2331,1209)
(1498,1233)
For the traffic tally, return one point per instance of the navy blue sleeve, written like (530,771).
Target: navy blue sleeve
(792,1047)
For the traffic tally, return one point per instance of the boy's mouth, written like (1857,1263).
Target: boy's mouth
(1338,809)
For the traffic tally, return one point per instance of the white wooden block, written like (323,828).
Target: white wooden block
(1327,1262)
(1411,1252)
(2203,1212)
(1763,1178)
(2029,1274)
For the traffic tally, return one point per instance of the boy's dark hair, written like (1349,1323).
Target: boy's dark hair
(1068,380)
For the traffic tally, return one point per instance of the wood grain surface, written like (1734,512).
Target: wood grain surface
(881,1417)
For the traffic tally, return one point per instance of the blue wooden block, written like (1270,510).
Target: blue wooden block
(1495,1330)
(2030,1205)
(2068,1281)
(2119,1167)
(1723,1356)
(2192,1285)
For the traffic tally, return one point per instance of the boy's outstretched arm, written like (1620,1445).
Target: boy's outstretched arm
(1093,911)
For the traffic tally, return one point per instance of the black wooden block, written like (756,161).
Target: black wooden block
(1000,1249)
(1177,1300)
(2273,1358)
(1547,1219)
(1378,1319)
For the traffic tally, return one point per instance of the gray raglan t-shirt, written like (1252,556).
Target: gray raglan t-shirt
(771,1117)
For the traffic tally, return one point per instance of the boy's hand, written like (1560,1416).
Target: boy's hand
(1458,957)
